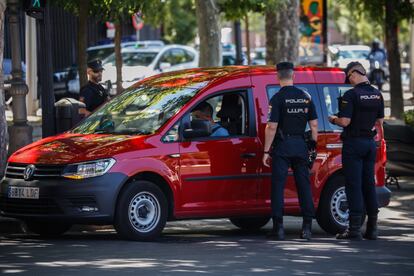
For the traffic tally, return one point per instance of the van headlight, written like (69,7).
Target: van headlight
(88,169)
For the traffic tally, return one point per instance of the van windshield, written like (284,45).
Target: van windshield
(138,111)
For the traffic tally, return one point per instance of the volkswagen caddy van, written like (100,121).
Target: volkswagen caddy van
(141,160)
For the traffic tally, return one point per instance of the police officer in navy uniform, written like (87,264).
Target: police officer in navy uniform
(93,94)
(360,109)
(289,112)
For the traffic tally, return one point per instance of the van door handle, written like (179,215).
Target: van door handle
(248,155)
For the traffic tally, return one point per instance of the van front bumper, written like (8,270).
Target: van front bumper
(86,201)
(383,196)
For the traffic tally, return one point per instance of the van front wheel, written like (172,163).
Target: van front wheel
(141,211)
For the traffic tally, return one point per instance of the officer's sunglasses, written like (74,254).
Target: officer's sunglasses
(353,71)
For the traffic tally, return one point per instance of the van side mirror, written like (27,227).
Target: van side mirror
(198,128)
(165,66)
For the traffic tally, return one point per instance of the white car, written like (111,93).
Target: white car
(342,55)
(104,51)
(141,63)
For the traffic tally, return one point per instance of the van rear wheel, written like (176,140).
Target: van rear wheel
(333,212)
(250,224)
(141,212)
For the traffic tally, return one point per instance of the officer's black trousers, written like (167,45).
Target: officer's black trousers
(358,161)
(291,152)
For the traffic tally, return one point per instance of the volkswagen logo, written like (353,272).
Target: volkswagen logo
(28,172)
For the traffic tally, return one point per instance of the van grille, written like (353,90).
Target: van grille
(15,170)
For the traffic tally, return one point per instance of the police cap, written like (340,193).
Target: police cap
(354,66)
(95,65)
(284,66)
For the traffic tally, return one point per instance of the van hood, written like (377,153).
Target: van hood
(73,148)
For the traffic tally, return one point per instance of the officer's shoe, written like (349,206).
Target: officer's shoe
(306,233)
(277,233)
(350,235)
(371,233)
(354,230)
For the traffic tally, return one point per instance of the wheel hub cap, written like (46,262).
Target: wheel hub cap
(144,212)
(339,207)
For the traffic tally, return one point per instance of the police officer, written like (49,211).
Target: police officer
(289,112)
(360,108)
(93,94)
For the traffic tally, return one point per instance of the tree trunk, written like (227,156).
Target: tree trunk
(3,122)
(391,41)
(209,32)
(118,57)
(83,40)
(246,22)
(282,33)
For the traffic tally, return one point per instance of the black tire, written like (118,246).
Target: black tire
(47,229)
(146,221)
(332,214)
(250,224)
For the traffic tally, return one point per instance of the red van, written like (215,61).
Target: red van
(141,160)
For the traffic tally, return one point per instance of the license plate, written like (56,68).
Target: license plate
(23,192)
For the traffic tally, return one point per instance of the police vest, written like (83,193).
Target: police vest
(367,102)
(295,113)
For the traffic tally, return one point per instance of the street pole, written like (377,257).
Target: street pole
(46,77)
(412,58)
(20,132)
(238,42)
(31,66)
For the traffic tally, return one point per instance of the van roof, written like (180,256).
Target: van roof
(199,77)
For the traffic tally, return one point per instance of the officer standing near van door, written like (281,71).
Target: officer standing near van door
(360,108)
(93,94)
(289,112)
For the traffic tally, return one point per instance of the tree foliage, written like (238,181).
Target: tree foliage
(179,23)
(237,9)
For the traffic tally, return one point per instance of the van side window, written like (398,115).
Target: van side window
(330,95)
(229,114)
(226,112)
(271,90)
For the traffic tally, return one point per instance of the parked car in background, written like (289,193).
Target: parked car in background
(103,52)
(341,55)
(141,159)
(259,56)
(7,69)
(305,57)
(229,58)
(139,63)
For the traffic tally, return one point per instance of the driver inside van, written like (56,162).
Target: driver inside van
(204,111)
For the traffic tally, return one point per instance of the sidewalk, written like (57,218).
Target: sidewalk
(34,121)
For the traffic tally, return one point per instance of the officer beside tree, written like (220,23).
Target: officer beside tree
(93,94)
(289,112)
(360,109)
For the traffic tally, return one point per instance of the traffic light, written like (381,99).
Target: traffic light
(35,8)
